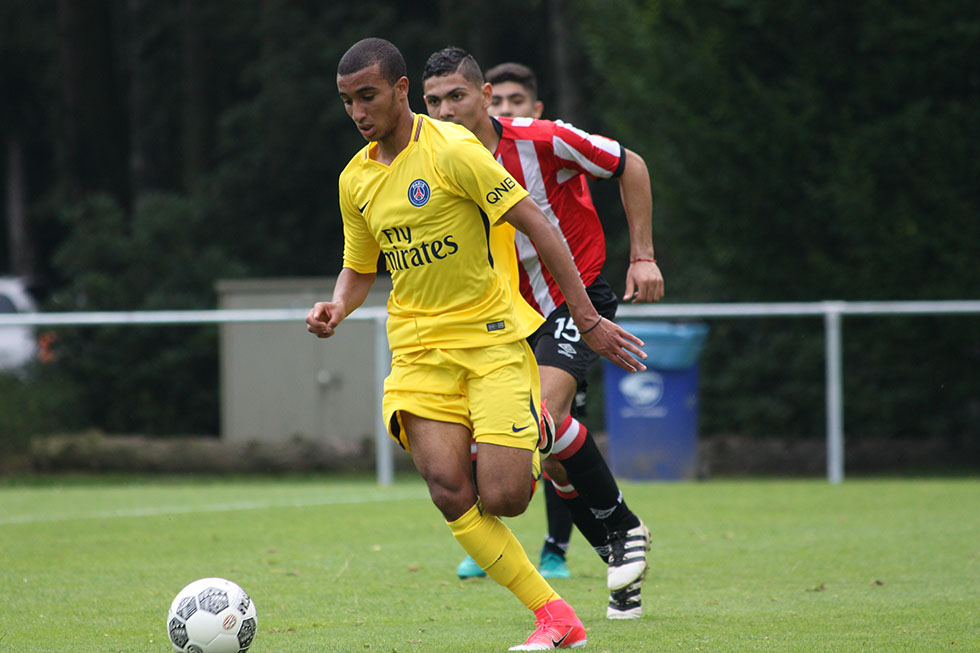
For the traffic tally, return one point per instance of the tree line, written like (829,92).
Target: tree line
(799,151)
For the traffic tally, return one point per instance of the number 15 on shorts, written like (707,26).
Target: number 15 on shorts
(565,329)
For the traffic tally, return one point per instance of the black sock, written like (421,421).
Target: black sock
(588,472)
(559,521)
(587,524)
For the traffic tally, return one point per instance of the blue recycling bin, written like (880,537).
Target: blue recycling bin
(652,416)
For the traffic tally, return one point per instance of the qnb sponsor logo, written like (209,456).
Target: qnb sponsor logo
(498,192)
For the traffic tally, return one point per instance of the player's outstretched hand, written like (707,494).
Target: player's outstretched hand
(615,343)
(323,318)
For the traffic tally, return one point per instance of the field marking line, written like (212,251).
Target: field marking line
(156,511)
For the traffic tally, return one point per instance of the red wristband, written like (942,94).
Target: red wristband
(647,260)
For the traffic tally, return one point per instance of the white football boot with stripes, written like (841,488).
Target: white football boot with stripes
(625,603)
(627,557)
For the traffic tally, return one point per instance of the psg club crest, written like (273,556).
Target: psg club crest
(418,192)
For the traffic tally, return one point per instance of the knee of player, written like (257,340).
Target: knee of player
(452,494)
(505,501)
(554,470)
(559,412)
(452,504)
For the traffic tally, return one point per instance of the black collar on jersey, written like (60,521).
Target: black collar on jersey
(497,127)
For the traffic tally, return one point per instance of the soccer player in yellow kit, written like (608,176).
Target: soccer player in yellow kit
(427,196)
(551,160)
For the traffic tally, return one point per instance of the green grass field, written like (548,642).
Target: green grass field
(338,564)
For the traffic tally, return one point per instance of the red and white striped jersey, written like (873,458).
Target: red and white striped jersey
(551,160)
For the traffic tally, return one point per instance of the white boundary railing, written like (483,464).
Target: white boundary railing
(832,312)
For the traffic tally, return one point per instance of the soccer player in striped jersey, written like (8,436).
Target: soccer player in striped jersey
(552,160)
(429,199)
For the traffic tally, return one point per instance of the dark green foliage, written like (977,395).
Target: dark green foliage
(799,151)
(808,151)
(913,376)
(784,357)
(154,379)
(34,403)
(796,145)
(274,190)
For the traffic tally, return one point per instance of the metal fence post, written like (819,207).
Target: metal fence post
(384,457)
(834,391)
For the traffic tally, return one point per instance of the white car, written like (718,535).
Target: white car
(18,344)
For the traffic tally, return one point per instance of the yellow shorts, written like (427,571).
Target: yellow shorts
(493,391)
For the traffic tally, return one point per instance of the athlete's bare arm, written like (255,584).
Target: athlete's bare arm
(644,281)
(349,293)
(606,338)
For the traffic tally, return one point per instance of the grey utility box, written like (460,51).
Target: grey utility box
(280,383)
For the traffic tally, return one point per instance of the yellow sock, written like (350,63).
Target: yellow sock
(493,546)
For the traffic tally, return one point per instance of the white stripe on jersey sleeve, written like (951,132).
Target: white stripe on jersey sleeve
(565,150)
(603,143)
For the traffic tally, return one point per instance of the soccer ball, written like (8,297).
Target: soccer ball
(212,615)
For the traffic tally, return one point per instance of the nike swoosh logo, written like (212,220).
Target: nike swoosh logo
(364,207)
(518,430)
(557,643)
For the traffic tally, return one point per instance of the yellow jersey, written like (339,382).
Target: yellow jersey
(433,214)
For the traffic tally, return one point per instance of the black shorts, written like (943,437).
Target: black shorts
(558,343)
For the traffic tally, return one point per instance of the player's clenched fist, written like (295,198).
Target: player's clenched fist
(323,319)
